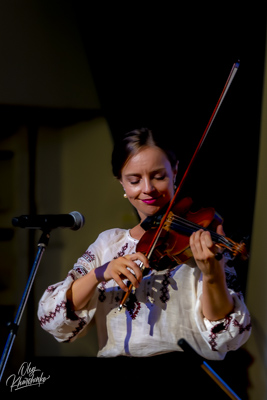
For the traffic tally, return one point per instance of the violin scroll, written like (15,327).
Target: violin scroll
(237,249)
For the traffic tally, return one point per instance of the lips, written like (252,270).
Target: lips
(149,201)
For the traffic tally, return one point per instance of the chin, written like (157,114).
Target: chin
(149,210)
(152,210)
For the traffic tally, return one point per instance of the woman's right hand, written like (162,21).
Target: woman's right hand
(118,269)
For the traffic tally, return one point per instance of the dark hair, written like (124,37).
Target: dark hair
(132,142)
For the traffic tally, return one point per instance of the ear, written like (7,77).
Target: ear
(122,185)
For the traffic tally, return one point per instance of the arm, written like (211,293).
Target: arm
(83,289)
(217,302)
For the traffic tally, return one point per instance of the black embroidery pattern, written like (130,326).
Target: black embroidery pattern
(102,288)
(133,306)
(165,295)
(222,326)
(79,328)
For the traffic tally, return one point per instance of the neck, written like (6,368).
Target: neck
(137,232)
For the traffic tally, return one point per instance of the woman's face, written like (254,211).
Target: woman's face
(148,181)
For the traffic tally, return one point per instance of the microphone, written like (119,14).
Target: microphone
(74,221)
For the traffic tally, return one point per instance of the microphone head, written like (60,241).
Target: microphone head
(15,221)
(79,220)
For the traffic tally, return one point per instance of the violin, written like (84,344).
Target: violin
(166,240)
(172,247)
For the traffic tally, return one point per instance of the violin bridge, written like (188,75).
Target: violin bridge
(169,219)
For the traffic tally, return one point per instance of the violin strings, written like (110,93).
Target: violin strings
(216,237)
(194,227)
(181,222)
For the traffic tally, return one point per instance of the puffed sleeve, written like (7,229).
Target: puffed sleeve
(231,332)
(54,312)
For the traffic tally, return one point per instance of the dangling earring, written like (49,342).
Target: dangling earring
(125,195)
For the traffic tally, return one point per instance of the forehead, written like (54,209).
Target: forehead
(147,159)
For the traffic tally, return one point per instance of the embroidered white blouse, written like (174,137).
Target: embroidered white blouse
(165,308)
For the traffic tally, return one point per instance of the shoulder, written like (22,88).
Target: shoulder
(114,234)
(115,237)
(113,243)
(108,245)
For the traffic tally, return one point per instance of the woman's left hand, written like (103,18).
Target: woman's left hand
(205,251)
(217,301)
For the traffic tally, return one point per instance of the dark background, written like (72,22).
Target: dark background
(165,68)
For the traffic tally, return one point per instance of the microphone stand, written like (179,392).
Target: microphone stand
(217,379)
(13,326)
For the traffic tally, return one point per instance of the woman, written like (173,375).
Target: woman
(190,301)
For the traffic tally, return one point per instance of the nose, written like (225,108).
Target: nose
(148,186)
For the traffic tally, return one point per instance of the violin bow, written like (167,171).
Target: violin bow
(202,139)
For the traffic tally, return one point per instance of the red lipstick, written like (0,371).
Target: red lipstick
(149,201)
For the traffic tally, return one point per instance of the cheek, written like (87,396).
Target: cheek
(135,193)
(167,187)
(132,191)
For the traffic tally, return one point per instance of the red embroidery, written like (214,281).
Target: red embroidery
(51,289)
(47,318)
(81,270)
(133,306)
(222,326)
(241,327)
(72,276)
(122,252)
(88,256)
